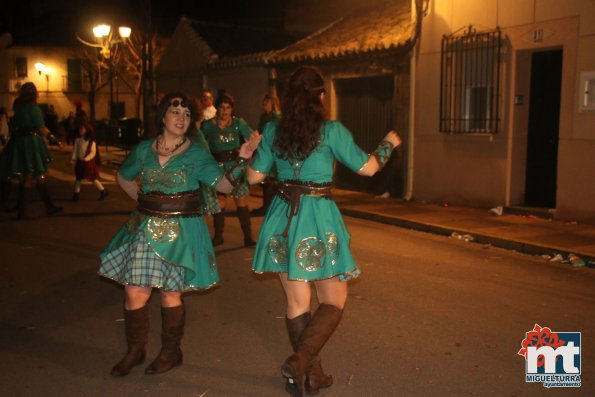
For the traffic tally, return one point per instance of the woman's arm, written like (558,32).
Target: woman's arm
(231,178)
(129,187)
(379,157)
(254,176)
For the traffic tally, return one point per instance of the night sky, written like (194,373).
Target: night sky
(54,22)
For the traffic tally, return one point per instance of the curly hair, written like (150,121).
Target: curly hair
(165,103)
(298,132)
(224,97)
(27,94)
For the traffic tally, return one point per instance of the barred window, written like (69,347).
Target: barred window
(20,67)
(470,81)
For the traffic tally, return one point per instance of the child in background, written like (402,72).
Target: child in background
(86,157)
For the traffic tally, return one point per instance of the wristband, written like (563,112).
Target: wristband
(237,171)
(383,152)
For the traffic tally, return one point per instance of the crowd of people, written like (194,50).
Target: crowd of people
(203,155)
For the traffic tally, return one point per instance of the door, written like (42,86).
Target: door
(365,106)
(543,131)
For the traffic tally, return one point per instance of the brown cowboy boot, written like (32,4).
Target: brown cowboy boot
(311,341)
(315,376)
(137,329)
(218,225)
(244,217)
(173,320)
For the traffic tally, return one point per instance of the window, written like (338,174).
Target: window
(74,78)
(20,66)
(469,82)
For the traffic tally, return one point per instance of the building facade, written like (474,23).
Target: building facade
(523,137)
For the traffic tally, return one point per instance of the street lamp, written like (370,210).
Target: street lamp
(42,69)
(108,43)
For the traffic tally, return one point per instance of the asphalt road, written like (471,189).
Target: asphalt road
(430,316)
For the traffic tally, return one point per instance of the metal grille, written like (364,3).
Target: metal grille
(470,81)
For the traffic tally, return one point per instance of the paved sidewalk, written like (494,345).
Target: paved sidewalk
(523,233)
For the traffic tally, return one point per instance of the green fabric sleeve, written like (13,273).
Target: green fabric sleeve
(344,148)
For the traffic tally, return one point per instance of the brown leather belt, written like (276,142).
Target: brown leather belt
(292,191)
(170,205)
(226,155)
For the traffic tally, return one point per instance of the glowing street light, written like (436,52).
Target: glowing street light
(42,69)
(106,42)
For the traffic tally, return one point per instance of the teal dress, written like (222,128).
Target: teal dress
(228,139)
(317,242)
(26,152)
(173,253)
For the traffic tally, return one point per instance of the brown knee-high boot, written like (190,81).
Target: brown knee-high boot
(173,320)
(137,329)
(315,376)
(218,225)
(311,341)
(42,187)
(244,217)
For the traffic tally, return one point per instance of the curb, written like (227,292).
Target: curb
(519,246)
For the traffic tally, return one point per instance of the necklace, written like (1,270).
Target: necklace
(168,151)
(223,123)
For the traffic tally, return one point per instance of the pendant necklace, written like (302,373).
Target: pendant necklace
(166,151)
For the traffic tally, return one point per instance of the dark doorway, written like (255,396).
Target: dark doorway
(366,107)
(543,131)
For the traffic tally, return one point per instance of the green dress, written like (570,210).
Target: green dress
(26,152)
(225,139)
(317,243)
(176,253)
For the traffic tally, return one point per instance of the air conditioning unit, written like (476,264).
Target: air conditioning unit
(14,85)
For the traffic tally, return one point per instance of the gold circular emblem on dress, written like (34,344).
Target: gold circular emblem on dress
(278,250)
(163,230)
(310,253)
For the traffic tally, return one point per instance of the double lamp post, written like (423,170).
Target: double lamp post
(108,42)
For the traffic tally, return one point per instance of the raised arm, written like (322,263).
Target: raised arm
(379,157)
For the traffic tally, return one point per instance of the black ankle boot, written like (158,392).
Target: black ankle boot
(218,225)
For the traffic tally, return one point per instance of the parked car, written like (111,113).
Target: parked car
(129,132)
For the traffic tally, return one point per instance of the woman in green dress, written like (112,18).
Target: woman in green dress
(224,134)
(303,236)
(26,155)
(165,244)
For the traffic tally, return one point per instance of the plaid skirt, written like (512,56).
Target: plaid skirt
(138,265)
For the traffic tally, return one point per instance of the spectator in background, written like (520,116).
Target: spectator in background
(69,128)
(206,100)
(80,116)
(4,133)
(271,112)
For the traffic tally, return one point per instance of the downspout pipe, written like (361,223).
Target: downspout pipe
(417,6)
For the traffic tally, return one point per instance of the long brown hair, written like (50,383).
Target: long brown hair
(298,133)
